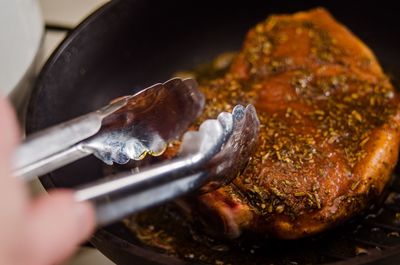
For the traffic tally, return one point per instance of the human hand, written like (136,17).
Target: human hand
(43,231)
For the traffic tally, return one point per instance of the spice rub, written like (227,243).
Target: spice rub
(329,131)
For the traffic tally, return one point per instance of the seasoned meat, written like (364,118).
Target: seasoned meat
(329,133)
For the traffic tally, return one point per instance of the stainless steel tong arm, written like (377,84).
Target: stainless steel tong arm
(197,149)
(55,147)
(128,128)
(208,159)
(131,191)
(152,176)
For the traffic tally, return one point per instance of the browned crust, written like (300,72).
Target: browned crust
(348,163)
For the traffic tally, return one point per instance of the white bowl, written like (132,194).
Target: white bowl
(21,30)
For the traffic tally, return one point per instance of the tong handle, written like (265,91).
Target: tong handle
(129,192)
(50,163)
(111,211)
(56,139)
(45,150)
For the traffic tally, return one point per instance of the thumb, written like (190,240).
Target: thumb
(58,225)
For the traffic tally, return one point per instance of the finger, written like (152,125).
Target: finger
(9,133)
(13,192)
(58,226)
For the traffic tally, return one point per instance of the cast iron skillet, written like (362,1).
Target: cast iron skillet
(127,45)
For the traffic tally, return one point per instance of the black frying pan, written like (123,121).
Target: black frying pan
(128,45)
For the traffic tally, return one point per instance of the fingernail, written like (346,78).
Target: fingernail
(85,218)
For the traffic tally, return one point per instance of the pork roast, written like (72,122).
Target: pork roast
(329,132)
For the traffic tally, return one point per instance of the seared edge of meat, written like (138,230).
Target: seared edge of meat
(330,129)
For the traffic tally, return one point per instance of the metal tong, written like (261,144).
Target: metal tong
(208,159)
(133,126)
(128,128)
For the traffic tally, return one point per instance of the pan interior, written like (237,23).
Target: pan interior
(128,45)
